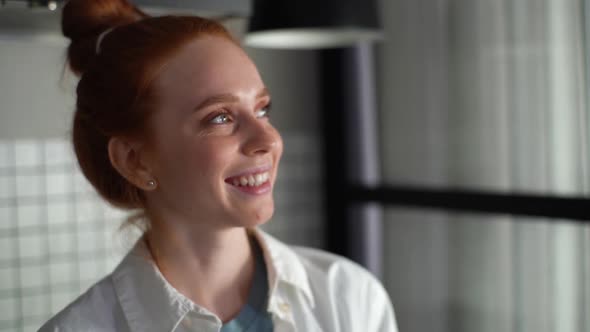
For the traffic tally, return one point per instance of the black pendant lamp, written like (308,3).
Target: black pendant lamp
(312,24)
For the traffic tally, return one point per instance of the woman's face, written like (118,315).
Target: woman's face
(213,151)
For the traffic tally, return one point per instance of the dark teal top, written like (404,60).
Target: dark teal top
(253,316)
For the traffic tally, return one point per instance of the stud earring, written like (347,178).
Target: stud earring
(151,183)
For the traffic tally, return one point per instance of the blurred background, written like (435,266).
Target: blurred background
(469,109)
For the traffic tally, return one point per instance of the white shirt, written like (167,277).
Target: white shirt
(310,291)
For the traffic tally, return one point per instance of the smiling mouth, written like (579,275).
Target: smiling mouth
(249,180)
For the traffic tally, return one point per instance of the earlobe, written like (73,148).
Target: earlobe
(125,158)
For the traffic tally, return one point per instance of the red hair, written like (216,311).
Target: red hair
(115,96)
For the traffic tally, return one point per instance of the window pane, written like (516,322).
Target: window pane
(470,272)
(485,94)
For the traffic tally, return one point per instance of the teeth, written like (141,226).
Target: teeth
(243,181)
(251,180)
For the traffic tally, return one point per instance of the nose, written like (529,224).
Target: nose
(261,138)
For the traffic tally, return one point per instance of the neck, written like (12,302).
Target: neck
(213,268)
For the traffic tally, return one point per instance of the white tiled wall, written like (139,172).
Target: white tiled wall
(41,237)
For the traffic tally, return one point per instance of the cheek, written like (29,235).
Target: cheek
(208,157)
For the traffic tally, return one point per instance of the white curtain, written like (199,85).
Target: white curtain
(489,95)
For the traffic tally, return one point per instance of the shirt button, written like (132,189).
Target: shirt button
(187,322)
(284,307)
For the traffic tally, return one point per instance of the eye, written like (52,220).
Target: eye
(264,112)
(222,118)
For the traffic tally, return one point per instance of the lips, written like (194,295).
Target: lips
(252,181)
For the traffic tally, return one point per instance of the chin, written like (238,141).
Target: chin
(255,217)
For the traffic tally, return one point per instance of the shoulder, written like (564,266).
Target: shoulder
(330,264)
(340,272)
(94,310)
(347,296)
(352,293)
(318,266)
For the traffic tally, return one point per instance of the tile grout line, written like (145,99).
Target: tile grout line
(45,223)
(19,316)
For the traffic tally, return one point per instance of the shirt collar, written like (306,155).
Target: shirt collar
(283,265)
(150,302)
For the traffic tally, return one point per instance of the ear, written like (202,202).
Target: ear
(126,159)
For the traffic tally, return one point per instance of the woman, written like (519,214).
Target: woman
(172,120)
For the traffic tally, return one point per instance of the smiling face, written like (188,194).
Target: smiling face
(212,149)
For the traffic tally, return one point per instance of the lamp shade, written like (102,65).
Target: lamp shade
(312,24)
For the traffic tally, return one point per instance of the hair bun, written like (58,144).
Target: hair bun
(84,20)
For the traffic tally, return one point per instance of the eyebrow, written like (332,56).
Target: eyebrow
(226,98)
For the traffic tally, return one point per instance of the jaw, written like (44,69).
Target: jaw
(249,209)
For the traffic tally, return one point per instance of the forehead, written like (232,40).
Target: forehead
(206,66)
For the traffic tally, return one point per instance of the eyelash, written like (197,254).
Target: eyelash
(216,120)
